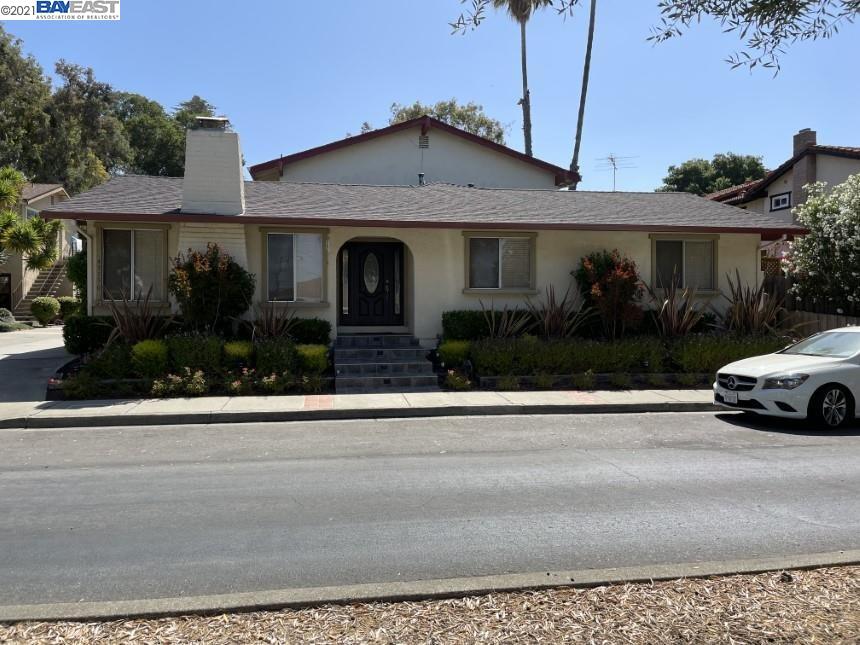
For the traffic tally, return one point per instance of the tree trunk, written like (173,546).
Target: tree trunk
(526,100)
(586,71)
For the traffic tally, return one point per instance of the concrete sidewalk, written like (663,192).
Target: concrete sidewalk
(223,409)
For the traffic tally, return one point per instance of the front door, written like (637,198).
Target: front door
(371,284)
(5,291)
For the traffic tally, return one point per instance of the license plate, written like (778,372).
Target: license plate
(730,397)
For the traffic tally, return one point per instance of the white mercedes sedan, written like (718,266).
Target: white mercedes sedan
(816,379)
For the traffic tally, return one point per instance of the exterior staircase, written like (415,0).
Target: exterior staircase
(367,363)
(47,283)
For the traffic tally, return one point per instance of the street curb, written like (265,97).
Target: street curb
(417,590)
(77,421)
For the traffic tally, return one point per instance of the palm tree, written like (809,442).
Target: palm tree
(521,11)
(586,72)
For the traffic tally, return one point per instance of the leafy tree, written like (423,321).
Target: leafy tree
(609,282)
(24,94)
(88,140)
(521,11)
(768,26)
(823,263)
(700,176)
(34,239)
(156,140)
(469,117)
(185,112)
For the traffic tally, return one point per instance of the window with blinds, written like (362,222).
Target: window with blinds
(691,262)
(500,262)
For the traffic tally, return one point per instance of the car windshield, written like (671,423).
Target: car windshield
(835,344)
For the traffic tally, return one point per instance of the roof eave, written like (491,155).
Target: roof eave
(173,216)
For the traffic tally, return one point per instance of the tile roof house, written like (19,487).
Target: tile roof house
(782,188)
(391,258)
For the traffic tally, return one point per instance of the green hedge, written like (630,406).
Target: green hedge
(313,359)
(69,306)
(710,353)
(45,309)
(697,354)
(276,356)
(195,352)
(149,358)
(311,331)
(238,353)
(453,353)
(86,334)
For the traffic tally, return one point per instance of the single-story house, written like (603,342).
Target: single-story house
(781,189)
(392,258)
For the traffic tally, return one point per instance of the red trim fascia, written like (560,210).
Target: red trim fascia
(562,176)
(766,233)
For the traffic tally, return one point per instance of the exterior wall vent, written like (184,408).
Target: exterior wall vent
(424,141)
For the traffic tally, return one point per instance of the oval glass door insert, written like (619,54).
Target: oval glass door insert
(371,273)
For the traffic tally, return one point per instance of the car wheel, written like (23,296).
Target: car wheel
(832,406)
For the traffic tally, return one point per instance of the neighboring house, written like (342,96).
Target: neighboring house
(420,149)
(782,189)
(393,258)
(18,285)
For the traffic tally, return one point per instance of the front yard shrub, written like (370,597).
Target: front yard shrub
(276,356)
(583,381)
(457,381)
(196,352)
(86,334)
(276,383)
(137,320)
(82,386)
(311,384)
(621,380)
(76,272)
(453,353)
(210,287)
(609,282)
(311,331)
(544,381)
(313,359)
(45,309)
(528,356)
(6,316)
(241,382)
(150,358)
(188,383)
(707,354)
(655,380)
(112,362)
(468,324)
(688,380)
(238,353)
(508,383)
(69,306)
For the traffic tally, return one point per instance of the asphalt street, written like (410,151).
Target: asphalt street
(131,513)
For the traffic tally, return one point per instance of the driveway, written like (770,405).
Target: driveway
(133,513)
(27,360)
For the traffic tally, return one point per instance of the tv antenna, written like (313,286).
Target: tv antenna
(615,163)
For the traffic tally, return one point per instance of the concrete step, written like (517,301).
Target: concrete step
(381,383)
(375,340)
(378,354)
(390,368)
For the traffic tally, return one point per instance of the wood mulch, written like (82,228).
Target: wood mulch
(819,606)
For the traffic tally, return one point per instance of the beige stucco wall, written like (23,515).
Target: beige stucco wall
(397,159)
(435,275)
(835,170)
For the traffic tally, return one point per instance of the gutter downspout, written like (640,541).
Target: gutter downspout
(90,262)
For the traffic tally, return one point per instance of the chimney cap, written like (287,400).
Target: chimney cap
(211,122)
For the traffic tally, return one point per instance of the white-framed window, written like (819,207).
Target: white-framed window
(692,262)
(780,202)
(500,262)
(294,271)
(30,213)
(133,262)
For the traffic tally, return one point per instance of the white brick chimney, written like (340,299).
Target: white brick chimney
(213,182)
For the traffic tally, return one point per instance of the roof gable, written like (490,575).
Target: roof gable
(427,123)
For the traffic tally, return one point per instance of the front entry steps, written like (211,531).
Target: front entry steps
(368,363)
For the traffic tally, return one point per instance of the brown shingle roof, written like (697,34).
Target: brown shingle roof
(33,191)
(434,205)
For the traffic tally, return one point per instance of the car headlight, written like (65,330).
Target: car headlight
(786,382)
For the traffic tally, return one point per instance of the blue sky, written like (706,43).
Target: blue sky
(295,75)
